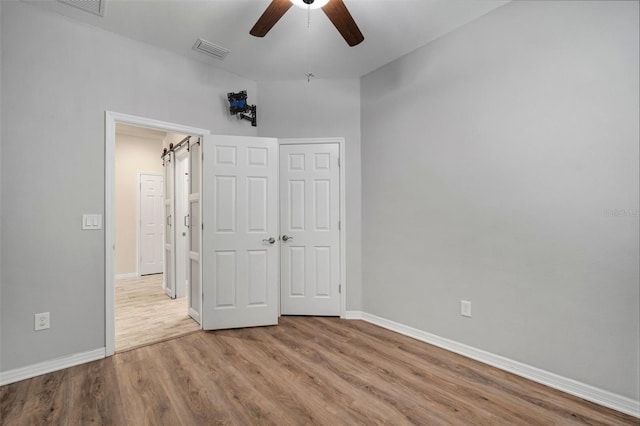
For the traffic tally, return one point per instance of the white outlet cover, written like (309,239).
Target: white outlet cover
(42,321)
(465,308)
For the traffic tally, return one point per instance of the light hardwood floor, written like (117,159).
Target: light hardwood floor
(304,371)
(144,313)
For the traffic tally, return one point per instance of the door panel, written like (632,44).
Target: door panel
(310,213)
(169,279)
(151,224)
(194,279)
(181,224)
(239,207)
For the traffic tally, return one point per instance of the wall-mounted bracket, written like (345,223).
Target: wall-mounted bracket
(238,106)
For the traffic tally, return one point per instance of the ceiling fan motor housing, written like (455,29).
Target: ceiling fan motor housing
(308,1)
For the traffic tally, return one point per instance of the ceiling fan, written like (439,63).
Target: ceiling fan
(335,10)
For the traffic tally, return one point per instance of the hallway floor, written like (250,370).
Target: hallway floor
(144,313)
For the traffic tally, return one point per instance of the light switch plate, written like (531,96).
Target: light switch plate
(91,221)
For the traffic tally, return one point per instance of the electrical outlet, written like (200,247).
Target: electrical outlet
(465,308)
(42,321)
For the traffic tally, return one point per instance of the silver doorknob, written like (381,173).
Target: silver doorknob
(286,238)
(270,240)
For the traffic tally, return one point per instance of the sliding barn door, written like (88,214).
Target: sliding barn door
(169,276)
(194,223)
(240,246)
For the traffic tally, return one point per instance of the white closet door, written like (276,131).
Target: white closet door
(169,277)
(309,224)
(240,252)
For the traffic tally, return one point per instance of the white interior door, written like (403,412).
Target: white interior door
(151,224)
(240,238)
(169,278)
(194,234)
(309,224)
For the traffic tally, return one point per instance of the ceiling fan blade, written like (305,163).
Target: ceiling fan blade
(270,16)
(339,15)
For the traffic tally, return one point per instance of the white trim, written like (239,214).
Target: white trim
(564,384)
(49,366)
(127,276)
(111,118)
(194,314)
(343,210)
(353,315)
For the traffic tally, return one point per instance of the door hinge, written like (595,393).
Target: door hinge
(339,162)
(339,225)
(202,226)
(340,288)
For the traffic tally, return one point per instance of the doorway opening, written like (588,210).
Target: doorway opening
(139,308)
(145,312)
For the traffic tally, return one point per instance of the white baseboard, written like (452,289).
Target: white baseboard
(127,276)
(353,315)
(45,367)
(193,314)
(570,386)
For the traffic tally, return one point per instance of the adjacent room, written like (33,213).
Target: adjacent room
(319,212)
(146,309)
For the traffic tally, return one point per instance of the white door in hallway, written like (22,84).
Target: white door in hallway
(180,190)
(309,228)
(169,277)
(151,224)
(240,253)
(194,234)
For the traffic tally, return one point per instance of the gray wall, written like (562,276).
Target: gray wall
(323,108)
(58,78)
(492,160)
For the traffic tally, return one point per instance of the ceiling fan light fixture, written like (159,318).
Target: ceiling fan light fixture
(315,4)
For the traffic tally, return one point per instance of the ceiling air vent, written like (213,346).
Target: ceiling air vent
(93,6)
(210,49)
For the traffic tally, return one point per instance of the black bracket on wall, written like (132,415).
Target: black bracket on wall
(238,106)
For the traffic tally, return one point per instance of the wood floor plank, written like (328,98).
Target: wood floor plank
(411,406)
(492,381)
(41,407)
(12,401)
(306,370)
(143,392)
(194,395)
(299,393)
(413,374)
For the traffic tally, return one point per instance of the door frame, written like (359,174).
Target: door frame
(139,218)
(110,120)
(343,163)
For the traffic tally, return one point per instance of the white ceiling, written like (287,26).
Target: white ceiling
(391,28)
